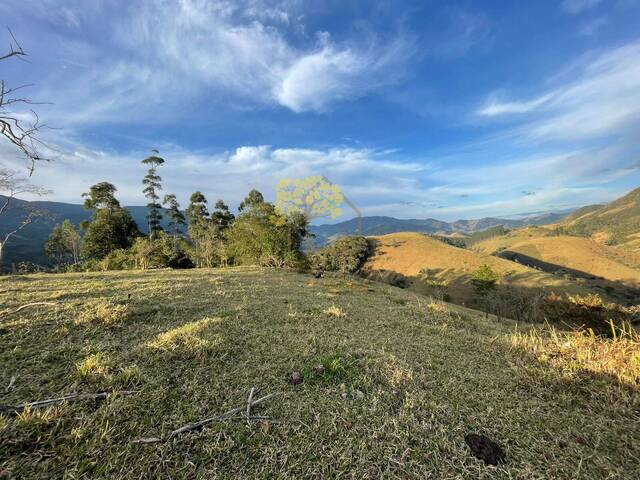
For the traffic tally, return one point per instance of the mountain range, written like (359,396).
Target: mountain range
(380,225)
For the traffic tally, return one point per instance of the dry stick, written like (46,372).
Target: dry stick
(5,313)
(249,402)
(196,425)
(11,383)
(76,397)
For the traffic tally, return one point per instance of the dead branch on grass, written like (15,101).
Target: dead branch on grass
(6,313)
(230,415)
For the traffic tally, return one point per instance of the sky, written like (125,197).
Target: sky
(416,109)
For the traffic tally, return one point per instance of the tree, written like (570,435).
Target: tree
(484,282)
(64,243)
(262,236)
(152,184)
(111,227)
(252,199)
(12,184)
(197,212)
(176,218)
(24,135)
(101,196)
(222,216)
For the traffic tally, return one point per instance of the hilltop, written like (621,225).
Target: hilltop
(391,383)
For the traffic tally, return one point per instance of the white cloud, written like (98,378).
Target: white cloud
(603,99)
(164,54)
(574,7)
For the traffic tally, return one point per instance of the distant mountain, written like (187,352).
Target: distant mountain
(28,245)
(615,223)
(384,225)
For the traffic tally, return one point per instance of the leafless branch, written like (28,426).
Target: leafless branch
(22,134)
(231,414)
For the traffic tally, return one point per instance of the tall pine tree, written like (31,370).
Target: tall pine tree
(152,184)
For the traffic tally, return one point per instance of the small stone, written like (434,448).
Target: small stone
(485,449)
(358,394)
(319,369)
(295,378)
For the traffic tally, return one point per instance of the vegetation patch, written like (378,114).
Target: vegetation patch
(334,368)
(104,311)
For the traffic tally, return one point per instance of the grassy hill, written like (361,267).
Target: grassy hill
(402,382)
(615,223)
(412,253)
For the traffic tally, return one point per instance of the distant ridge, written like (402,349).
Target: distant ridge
(381,225)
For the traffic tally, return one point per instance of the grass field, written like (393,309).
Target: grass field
(404,380)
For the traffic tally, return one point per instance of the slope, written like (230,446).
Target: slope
(402,383)
(616,223)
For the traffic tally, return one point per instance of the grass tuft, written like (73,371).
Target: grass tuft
(334,311)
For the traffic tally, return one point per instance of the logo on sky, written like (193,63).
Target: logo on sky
(315,196)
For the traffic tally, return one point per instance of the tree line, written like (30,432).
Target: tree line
(259,234)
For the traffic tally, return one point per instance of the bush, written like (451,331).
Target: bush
(347,255)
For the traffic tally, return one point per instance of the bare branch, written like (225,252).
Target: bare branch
(22,134)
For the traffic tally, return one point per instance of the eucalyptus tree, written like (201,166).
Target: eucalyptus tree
(152,184)
(177,220)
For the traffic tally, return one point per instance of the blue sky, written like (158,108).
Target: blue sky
(415,108)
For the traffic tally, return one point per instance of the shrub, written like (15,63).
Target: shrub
(347,255)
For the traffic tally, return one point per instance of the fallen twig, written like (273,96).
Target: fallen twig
(249,400)
(34,304)
(230,415)
(76,397)
(12,382)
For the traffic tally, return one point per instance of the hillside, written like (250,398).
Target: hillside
(616,223)
(401,383)
(412,253)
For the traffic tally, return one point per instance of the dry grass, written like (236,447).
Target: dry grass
(582,254)
(579,352)
(400,385)
(336,312)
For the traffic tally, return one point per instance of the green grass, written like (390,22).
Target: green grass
(402,383)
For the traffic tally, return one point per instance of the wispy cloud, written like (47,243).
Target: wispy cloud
(602,99)
(162,54)
(574,7)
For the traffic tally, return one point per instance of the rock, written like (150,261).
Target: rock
(485,449)
(295,378)
(319,369)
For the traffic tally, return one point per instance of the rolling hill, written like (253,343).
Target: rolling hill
(617,223)
(416,255)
